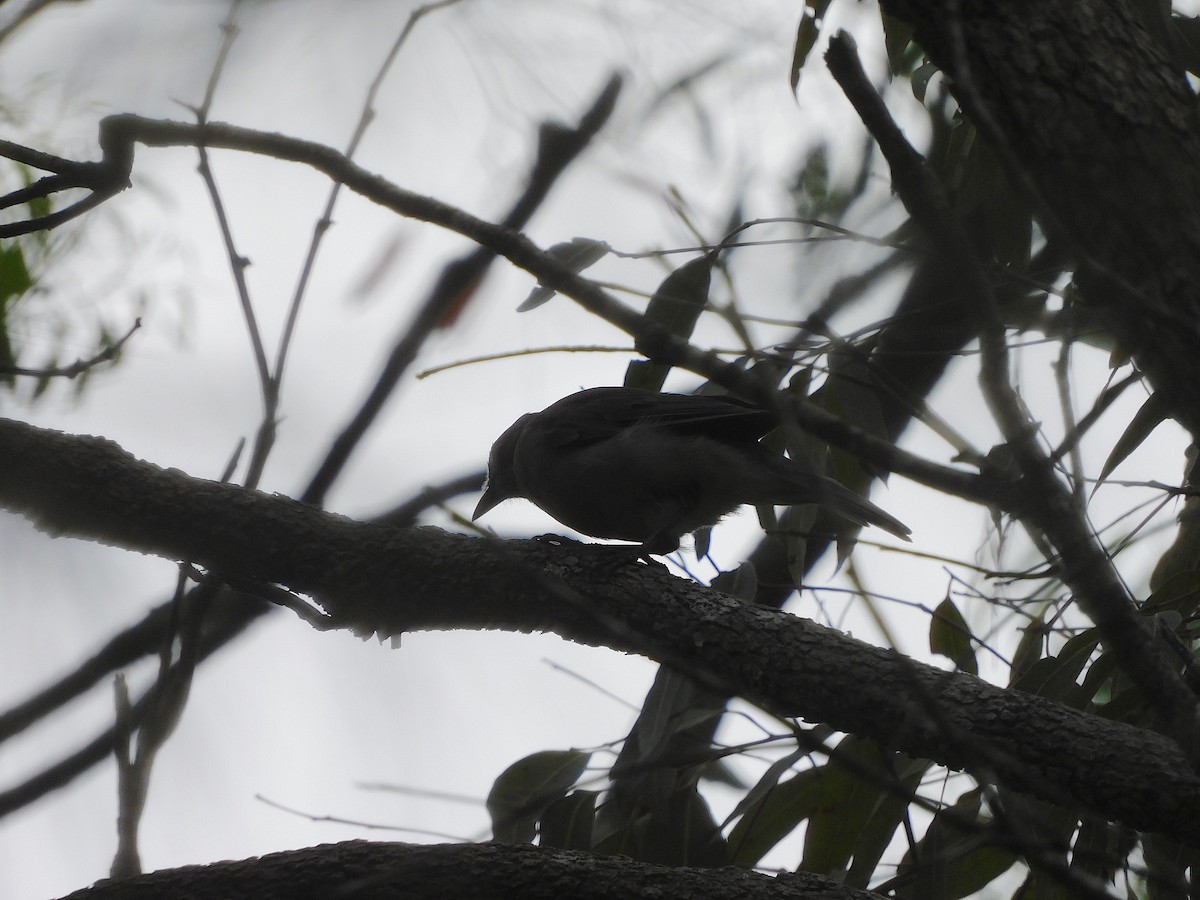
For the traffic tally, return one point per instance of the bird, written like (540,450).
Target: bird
(647,467)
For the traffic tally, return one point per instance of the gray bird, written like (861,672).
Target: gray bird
(640,466)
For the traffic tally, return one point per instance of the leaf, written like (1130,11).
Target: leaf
(1180,594)
(779,813)
(798,522)
(678,831)
(766,784)
(984,195)
(1101,848)
(567,823)
(15,279)
(658,719)
(1167,862)
(741,582)
(920,80)
(1054,677)
(676,307)
(1098,685)
(897,39)
(1187,41)
(1029,649)
(526,788)
(1144,421)
(845,802)
(807,33)
(876,836)
(14,282)
(816,194)
(772,811)
(949,636)
(576,254)
(1177,566)
(952,864)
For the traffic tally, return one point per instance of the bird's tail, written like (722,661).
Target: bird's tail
(849,505)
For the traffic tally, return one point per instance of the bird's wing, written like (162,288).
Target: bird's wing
(597,414)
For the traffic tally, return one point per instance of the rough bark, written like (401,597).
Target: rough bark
(357,869)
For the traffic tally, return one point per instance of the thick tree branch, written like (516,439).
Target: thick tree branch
(357,869)
(377,578)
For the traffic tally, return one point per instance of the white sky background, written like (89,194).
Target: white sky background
(302,717)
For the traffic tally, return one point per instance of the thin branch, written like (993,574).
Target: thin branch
(1062,378)
(326,218)
(77,368)
(238,262)
(69,767)
(325,222)
(104,179)
(26,15)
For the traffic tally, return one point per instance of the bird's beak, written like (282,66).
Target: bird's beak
(489,500)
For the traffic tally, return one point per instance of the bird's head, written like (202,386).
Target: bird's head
(501,483)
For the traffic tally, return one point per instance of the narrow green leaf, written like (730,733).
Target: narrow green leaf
(678,831)
(951,864)
(985,193)
(744,842)
(779,813)
(845,803)
(1145,420)
(1102,848)
(851,392)
(807,33)
(1180,594)
(1167,862)
(1173,574)
(741,582)
(897,38)
(1098,686)
(876,835)
(15,279)
(1029,649)
(1055,677)
(1187,41)
(43,382)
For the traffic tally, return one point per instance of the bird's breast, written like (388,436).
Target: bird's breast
(634,485)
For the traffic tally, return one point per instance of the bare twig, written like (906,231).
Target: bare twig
(77,368)
(325,221)
(238,262)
